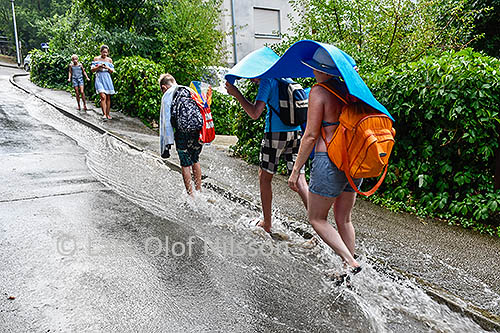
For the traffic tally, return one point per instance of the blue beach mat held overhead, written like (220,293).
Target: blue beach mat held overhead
(265,63)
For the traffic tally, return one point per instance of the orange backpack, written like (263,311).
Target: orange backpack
(362,143)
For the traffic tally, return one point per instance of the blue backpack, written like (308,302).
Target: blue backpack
(293,103)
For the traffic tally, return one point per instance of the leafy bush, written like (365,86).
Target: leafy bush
(137,90)
(224,110)
(248,131)
(447,117)
(28,15)
(49,69)
(135,80)
(136,84)
(182,35)
(190,37)
(487,23)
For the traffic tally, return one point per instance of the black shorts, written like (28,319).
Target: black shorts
(188,147)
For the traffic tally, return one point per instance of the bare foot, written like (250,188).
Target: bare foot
(256,222)
(309,244)
(109,117)
(267,228)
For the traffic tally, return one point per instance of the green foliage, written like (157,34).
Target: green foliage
(487,23)
(224,110)
(136,84)
(381,33)
(137,90)
(146,38)
(28,14)
(49,69)
(447,120)
(183,36)
(248,131)
(72,33)
(77,33)
(128,14)
(190,37)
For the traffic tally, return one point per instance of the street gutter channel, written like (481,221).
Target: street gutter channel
(486,320)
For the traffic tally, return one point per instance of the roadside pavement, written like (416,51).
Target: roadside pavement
(455,266)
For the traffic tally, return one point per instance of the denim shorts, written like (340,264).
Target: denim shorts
(77,81)
(327,180)
(188,147)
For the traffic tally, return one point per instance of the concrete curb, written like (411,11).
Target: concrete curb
(479,318)
(487,320)
(3,64)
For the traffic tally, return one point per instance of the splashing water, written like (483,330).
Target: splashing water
(389,304)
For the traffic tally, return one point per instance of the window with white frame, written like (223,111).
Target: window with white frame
(267,22)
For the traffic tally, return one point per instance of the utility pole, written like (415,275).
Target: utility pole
(15,33)
(234,33)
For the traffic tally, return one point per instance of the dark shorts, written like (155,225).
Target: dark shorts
(188,147)
(327,180)
(276,145)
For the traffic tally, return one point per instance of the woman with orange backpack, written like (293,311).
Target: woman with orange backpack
(328,185)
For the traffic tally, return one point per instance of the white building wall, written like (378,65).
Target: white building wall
(247,13)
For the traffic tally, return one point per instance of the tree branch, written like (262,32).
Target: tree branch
(337,20)
(359,25)
(396,21)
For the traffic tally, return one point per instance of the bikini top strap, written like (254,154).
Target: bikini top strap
(327,124)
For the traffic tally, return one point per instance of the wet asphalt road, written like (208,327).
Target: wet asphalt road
(78,256)
(75,255)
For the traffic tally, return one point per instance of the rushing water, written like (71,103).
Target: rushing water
(391,304)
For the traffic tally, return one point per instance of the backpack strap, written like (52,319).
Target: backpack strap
(323,134)
(346,166)
(273,110)
(324,85)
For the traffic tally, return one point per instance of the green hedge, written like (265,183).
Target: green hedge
(248,131)
(224,111)
(50,70)
(447,121)
(446,110)
(137,90)
(138,94)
